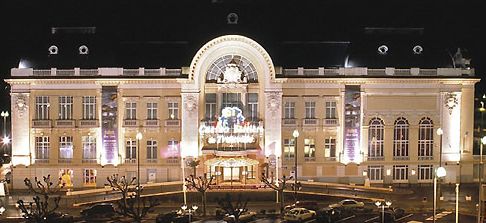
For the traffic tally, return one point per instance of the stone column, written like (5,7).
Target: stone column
(20,118)
(190,123)
(273,125)
(450,110)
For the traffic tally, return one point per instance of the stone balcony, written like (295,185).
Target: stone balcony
(65,123)
(41,123)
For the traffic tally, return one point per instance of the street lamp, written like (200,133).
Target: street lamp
(139,137)
(189,210)
(440,132)
(5,115)
(483,141)
(440,172)
(295,134)
(457,203)
(382,205)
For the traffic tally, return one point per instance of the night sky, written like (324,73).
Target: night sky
(25,25)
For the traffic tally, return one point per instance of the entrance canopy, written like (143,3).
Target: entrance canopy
(231,162)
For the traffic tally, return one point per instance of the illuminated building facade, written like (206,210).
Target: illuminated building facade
(235,111)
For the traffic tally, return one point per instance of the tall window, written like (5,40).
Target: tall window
(330,148)
(89,177)
(152,110)
(65,107)
(42,147)
(376,139)
(426,139)
(425,172)
(232,100)
(152,150)
(309,149)
(289,110)
(42,107)
(173,110)
(173,151)
(310,109)
(400,139)
(400,172)
(210,106)
(289,148)
(131,149)
(131,110)
(66,148)
(330,109)
(375,172)
(89,148)
(89,107)
(252,106)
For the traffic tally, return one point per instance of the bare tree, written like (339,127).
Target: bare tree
(280,185)
(194,164)
(41,210)
(235,209)
(201,184)
(131,204)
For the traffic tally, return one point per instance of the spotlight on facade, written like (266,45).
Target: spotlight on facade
(6,140)
(441,172)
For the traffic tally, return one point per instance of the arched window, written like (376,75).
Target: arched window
(218,67)
(400,139)
(376,139)
(425,139)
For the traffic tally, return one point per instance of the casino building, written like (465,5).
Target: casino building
(235,111)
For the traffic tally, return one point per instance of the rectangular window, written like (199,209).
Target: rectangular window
(210,106)
(66,148)
(89,107)
(231,100)
(173,151)
(173,110)
(42,107)
(252,106)
(289,149)
(131,110)
(250,172)
(309,149)
(89,148)
(375,172)
(289,110)
(89,177)
(131,150)
(330,148)
(42,147)
(400,172)
(65,107)
(310,109)
(330,109)
(66,176)
(152,150)
(152,110)
(425,172)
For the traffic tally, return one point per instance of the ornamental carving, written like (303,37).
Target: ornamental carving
(273,101)
(21,104)
(190,102)
(451,101)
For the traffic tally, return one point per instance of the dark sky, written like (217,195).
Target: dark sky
(25,25)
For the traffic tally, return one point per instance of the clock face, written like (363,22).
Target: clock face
(231,67)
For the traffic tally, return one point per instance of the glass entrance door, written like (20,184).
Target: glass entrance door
(231,174)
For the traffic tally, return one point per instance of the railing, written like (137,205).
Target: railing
(330,158)
(88,72)
(65,123)
(41,123)
(172,123)
(331,121)
(130,72)
(401,158)
(88,123)
(130,123)
(375,158)
(41,160)
(151,123)
(151,160)
(130,160)
(65,72)
(309,158)
(425,158)
(86,160)
(65,160)
(289,122)
(310,122)
(42,72)
(173,160)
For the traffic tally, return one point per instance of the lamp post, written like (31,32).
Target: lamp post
(382,206)
(139,137)
(480,173)
(4,116)
(440,132)
(440,172)
(457,203)
(189,210)
(295,134)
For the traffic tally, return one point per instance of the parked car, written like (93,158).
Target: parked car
(328,215)
(101,210)
(348,204)
(311,205)
(244,217)
(299,214)
(391,214)
(172,217)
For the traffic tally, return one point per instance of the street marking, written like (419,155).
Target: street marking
(406,216)
(439,216)
(372,219)
(414,222)
(344,219)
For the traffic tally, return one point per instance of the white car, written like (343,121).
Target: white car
(299,214)
(244,217)
(348,204)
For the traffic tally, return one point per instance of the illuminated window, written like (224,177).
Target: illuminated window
(400,139)
(400,172)
(376,139)
(65,148)
(66,176)
(42,147)
(152,110)
(89,148)
(330,109)
(310,109)
(152,150)
(289,149)
(330,148)
(42,107)
(131,150)
(232,100)
(173,110)
(131,110)
(173,151)
(252,107)
(89,107)
(289,110)
(219,66)
(309,149)
(425,172)
(66,107)
(375,172)
(89,177)
(426,139)
(210,106)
